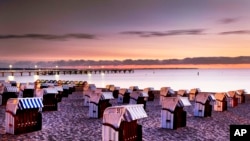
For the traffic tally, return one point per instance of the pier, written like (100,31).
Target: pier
(30,72)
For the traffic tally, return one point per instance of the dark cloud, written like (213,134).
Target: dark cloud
(228,20)
(49,36)
(239,32)
(166,33)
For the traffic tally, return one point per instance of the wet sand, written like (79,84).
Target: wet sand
(71,123)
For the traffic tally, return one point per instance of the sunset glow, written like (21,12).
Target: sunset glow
(119,30)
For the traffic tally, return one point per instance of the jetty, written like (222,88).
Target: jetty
(49,71)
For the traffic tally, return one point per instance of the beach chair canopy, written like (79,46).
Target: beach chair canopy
(134,88)
(182,92)
(22,86)
(97,96)
(71,85)
(231,94)
(59,88)
(23,103)
(10,89)
(136,94)
(107,95)
(166,91)
(220,96)
(31,83)
(50,91)
(12,82)
(240,92)
(122,91)
(45,84)
(194,91)
(203,97)
(6,84)
(50,84)
(109,86)
(65,86)
(113,88)
(148,89)
(170,103)
(116,114)
(91,86)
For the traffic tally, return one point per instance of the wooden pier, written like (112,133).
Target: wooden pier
(61,71)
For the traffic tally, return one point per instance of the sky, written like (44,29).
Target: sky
(44,30)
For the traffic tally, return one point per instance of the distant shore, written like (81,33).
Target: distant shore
(170,66)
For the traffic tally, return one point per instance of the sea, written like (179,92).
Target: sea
(207,80)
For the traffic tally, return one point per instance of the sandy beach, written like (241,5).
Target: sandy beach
(71,122)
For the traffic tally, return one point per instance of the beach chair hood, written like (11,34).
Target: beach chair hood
(23,103)
(114,115)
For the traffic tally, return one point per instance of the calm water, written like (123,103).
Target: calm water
(213,80)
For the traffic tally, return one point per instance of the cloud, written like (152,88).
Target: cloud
(49,36)
(228,20)
(239,32)
(166,33)
(67,63)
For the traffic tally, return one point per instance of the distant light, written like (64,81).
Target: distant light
(11,78)
(102,66)
(102,73)
(89,66)
(35,66)
(10,66)
(36,77)
(56,66)
(89,74)
(57,77)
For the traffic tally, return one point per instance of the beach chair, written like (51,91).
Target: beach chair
(87,91)
(138,97)
(23,115)
(49,99)
(123,97)
(192,93)
(13,83)
(28,90)
(9,92)
(173,115)
(183,93)
(203,106)
(220,102)
(60,93)
(134,88)
(150,92)
(99,101)
(232,100)
(120,123)
(65,92)
(240,94)
(165,92)
(114,90)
